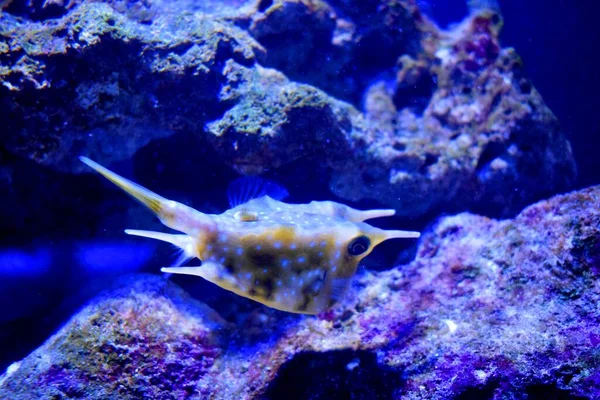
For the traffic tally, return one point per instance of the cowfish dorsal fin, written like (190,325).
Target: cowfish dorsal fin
(246,188)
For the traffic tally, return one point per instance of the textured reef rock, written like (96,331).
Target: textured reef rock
(95,81)
(428,119)
(144,339)
(382,103)
(459,127)
(488,309)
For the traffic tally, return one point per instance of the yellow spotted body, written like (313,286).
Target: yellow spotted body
(292,257)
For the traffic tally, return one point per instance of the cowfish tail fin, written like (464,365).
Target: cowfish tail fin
(171,213)
(150,199)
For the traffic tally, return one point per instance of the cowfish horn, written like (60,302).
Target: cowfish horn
(379,235)
(363,215)
(401,235)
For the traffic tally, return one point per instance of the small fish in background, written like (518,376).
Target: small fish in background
(292,257)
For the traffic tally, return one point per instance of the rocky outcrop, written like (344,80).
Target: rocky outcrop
(488,309)
(448,122)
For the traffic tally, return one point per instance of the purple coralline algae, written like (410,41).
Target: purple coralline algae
(144,339)
(495,309)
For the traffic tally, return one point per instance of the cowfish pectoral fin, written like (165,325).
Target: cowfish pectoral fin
(171,213)
(338,288)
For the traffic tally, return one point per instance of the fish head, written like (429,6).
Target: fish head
(350,242)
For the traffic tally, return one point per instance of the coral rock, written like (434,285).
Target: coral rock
(458,128)
(462,130)
(493,309)
(145,338)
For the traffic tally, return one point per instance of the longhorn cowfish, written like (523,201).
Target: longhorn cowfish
(293,257)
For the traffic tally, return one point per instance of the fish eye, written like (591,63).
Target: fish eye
(359,245)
